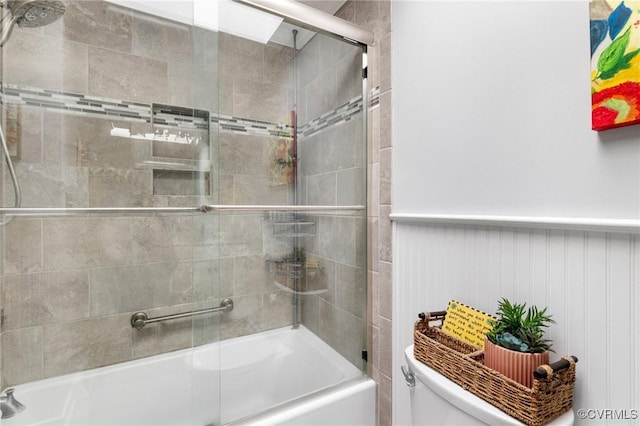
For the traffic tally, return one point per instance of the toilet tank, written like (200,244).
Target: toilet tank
(436,400)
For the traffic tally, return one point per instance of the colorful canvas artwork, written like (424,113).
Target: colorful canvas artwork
(615,63)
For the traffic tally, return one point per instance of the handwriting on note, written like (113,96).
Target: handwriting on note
(466,323)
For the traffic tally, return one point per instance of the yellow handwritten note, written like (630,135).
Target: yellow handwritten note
(466,323)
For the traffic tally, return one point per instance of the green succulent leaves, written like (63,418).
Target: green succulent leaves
(520,329)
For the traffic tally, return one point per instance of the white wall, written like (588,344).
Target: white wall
(492,117)
(492,114)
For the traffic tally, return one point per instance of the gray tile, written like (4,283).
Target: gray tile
(246,317)
(321,189)
(240,58)
(23,246)
(332,51)
(347,11)
(386,248)
(309,153)
(161,39)
(336,239)
(117,75)
(110,187)
(206,237)
(385,290)
(73,243)
(361,241)
(278,65)
(351,289)
(384,347)
(385,120)
(21,356)
(338,147)
(261,101)
(97,148)
(45,298)
(82,345)
(251,276)
(342,331)
(61,144)
(374,299)
(240,235)
(277,309)
(23,130)
(162,238)
(96,23)
(213,278)
(324,279)
(49,63)
(310,313)
(373,142)
(197,87)
(129,288)
(250,189)
(309,62)
(367,15)
(321,95)
(241,154)
(349,76)
(350,186)
(206,49)
(183,183)
(52,186)
(385,63)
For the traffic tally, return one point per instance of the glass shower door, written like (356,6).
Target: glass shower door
(292,171)
(107,113)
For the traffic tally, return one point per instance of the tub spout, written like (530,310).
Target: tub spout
(9,405)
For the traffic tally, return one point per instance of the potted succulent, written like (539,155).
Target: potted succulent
(516,345)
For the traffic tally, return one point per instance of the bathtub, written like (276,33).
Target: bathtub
(252,380)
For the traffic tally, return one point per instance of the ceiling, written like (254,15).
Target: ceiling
(283,34)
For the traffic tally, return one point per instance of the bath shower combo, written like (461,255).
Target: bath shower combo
(252,366)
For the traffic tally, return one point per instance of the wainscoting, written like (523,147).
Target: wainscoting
(587,276)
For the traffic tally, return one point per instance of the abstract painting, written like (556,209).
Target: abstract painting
(615,63)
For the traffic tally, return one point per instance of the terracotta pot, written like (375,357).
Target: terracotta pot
(518,366)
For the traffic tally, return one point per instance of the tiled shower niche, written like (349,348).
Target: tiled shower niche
(180,150)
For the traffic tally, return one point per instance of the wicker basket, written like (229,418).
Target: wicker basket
(463,364)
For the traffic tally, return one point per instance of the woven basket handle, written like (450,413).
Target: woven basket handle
(548,370)
(435,315)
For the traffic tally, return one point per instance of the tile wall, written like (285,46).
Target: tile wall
(69,285)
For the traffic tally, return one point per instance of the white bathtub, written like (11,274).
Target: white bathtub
(222,383)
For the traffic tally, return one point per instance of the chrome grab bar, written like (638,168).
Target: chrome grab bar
(206,208)
(140,319)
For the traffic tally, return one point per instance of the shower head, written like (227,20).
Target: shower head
(30,13)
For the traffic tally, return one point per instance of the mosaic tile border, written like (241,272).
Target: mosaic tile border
(141,112)
(75,103)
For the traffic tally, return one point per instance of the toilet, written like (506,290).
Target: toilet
(436,400)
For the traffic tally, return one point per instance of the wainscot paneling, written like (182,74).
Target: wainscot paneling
(588,279)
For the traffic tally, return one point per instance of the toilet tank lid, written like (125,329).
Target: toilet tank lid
(465,400)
